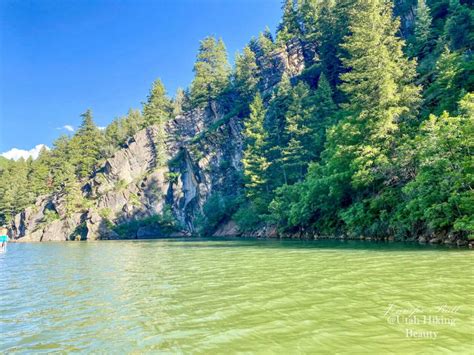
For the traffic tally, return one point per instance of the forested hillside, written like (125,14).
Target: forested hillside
(355,118)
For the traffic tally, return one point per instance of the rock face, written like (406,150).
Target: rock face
(289,60)
(205,149)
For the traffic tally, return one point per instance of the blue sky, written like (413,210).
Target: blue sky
(60,57)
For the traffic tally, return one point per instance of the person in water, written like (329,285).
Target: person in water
(3,237)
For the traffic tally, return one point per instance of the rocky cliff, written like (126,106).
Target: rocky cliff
(205,150)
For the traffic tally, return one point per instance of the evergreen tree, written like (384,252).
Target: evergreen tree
(178,102)
(289,27)
(40,179)
(15,191)
(334,26)
(254,161)
(422,33)
(157,109)
(459,28)
(453,78)
(323,111)
(298,131)
(246,75)
(86,146)
(359,148)
(71,189)
(275,127)
(308,15)
(60,156)
(265,42)
(441,195)
(379,87)
(211,71)
(121,129)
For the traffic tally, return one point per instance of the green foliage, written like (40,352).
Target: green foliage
(453,79)
(134,199)
(334,19)
(105,213)
(157,111)
(212,72)
(246,75)
(345,147)
(254,161)
(120,185)
(50,216)
(15,194)
(441,195)
(275,129)
(359,148)
(172,177)
(218,208)
(459,28)
(121,129)
(85,148)
(163,223)
(179,102)
(422,37)
(248,216)
(289,27)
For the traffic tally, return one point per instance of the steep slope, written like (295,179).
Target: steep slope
(205,149)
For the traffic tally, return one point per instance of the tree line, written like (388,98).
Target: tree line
(373,138)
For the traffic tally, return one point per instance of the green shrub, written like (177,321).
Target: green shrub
(247,217)
(164,222)
(50,216)
(216,209)
(105,213)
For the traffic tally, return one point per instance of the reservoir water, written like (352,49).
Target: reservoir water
(216,296)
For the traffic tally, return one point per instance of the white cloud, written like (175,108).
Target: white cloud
(16,153)
(67,127)
(101,128)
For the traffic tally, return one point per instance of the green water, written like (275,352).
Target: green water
(226,296)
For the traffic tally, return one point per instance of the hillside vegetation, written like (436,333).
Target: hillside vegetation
(356,118)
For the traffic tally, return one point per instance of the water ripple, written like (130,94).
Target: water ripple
(207,296)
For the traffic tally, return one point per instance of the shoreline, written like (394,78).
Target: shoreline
(381,241)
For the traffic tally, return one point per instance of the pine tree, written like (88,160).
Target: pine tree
(17,194)
(323,110)
(157,109)
(379,87)
(334,26)
(454,77)
(60,155)
(422,31)
(246,75)
(265,42)
(308,14)
(211,71)
(359,148)
(121,129)
(71,189)
(178,102)
(275,126)
(86,146)
(297,154)
(289,27)
(254,161)
(459,28)
(40,176)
